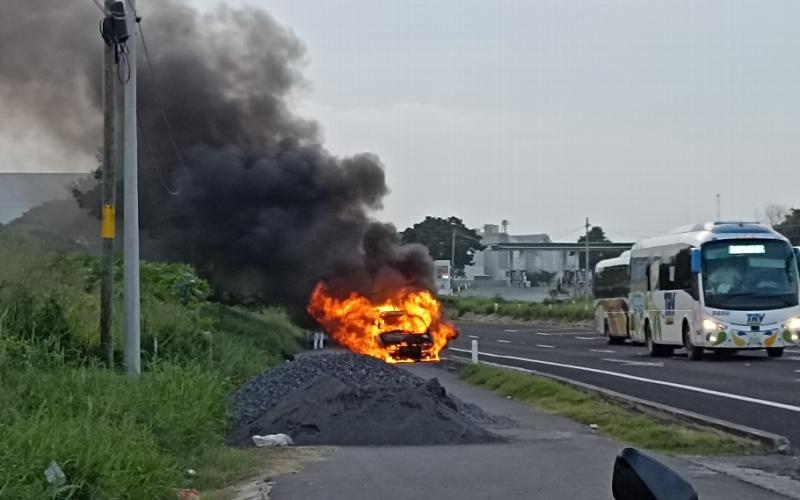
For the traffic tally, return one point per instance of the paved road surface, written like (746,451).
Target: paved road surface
(747,388)
(548,458)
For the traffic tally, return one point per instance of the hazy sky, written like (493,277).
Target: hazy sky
(544,112)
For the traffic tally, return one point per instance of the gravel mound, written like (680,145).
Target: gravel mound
(264,391)
(347,399)
(329,411)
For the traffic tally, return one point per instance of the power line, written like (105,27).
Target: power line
(159,100)
(133,8)
(153,159)
(97,3)
(564,233)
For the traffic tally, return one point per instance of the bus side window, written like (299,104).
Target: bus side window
(654,270)
(639,274)
(665,277)
(685,279)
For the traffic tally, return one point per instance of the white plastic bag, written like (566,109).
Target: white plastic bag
(54,474)
(272,440)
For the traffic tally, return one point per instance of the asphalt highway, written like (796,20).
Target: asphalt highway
(747,388)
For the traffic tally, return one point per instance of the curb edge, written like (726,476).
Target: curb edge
(775,442)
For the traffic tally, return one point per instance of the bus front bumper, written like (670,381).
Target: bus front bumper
(739,338)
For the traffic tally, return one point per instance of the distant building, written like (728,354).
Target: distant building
(518,267)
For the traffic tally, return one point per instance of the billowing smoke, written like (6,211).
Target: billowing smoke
(261,207)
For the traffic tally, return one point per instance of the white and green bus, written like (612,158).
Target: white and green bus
(611,287)
(720,286)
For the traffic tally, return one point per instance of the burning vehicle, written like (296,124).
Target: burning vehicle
(405,336)
(405,327)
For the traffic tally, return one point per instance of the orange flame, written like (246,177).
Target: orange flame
(357,323)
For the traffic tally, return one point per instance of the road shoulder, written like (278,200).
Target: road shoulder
(546,457)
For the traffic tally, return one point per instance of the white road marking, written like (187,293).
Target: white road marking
(701,390)
(628,362)
(604,351)
(511,331)
(504,341)
(544,334)
(473,336)
(794,358)
(546,346)
(797,371)
(792,351)
(587,338)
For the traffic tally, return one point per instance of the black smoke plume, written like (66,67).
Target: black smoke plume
(262,209)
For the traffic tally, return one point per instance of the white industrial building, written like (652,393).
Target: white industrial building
(517,267)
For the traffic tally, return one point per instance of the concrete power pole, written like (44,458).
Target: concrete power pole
(586,278)
(131,295)
(719,215)
(453,254)
(108,224)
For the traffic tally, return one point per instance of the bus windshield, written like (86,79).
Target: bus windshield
(752,274)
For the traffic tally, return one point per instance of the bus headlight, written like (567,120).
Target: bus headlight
(710,325)
(794,323)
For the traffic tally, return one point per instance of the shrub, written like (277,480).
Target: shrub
(116,437)
(547,310)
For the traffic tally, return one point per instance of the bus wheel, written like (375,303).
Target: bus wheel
(654,349)
(611,339)
(692,353)
(774,352)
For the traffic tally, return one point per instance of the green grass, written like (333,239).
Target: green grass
(550,310)
(621,423)
(113,436)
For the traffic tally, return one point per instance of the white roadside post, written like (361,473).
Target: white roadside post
(474,352)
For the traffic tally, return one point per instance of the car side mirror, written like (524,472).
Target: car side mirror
(696,260)
(641,477)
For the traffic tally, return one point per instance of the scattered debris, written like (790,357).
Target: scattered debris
(189,494)
(54,475)
(272,440)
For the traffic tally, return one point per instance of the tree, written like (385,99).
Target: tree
(790,226)
(596,235)
(774,214)
(436,234)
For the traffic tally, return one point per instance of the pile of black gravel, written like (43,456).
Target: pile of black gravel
(348,399)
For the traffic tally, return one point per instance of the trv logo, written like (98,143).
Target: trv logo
(755,319)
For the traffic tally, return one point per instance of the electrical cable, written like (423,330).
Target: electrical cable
(118,41)
(122,57)
(564,233)
(135,13)
(159,99)
(152,158)
(102,9)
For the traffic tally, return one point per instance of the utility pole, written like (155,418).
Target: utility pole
(586,278)
(108,224)
(719,217)
(453,254)
(131,296)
